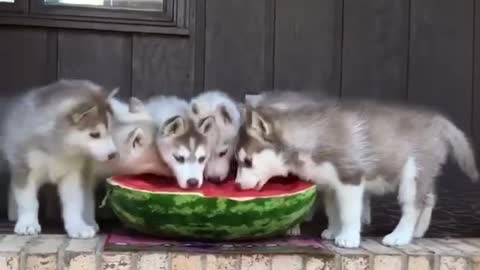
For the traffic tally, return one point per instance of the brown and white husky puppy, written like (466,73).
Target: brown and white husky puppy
(50,134)
(353,147)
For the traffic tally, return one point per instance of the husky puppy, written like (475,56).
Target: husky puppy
(293,100)
(228,119)
(351,148)
(133,132)
(183,145)
(49,135)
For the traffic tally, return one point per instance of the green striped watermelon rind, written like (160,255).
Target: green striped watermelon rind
(191,215)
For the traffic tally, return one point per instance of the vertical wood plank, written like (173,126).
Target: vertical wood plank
(198,43)
(24,56)
(375,48)
(162,65)
(476,82)
(104,58)
(52,55)
(24,62)
(269,45)
(235,45)
(440,70)
(308,44)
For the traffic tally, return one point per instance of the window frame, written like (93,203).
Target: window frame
(17,6)
(173,19)
(39,7)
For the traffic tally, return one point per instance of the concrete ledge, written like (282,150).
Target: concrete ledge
(51,252)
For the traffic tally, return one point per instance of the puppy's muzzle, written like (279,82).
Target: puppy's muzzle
(192,183)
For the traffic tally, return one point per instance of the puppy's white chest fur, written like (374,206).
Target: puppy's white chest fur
(321,174)
(53,168)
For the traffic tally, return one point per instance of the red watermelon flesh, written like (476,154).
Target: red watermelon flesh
(277,186)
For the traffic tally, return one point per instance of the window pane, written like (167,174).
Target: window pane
(155,5)
(8,1)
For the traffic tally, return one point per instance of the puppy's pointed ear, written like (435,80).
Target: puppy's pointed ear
(194,108)
(206,125)
(77,117)
(135,105)
(113,93)
(253,99)
(174,126)
(224,115)
(257,125)
(242,108)
(136,138)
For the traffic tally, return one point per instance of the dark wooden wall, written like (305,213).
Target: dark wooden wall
(416,51)
(423,52)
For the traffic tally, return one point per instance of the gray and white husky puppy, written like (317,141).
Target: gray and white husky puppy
(287,100)
(50,134)
(351,148)
(292,100)
(226,114)
(133,132)
(185,146)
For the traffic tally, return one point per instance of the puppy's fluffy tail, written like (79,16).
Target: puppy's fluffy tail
(460,147)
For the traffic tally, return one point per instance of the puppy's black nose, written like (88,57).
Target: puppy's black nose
(192,183)
(112,155)
(238,186)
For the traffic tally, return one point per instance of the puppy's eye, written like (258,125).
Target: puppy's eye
(136,142)
(179,159)
(223,153)
(247,163)
(201,159)
(95,135)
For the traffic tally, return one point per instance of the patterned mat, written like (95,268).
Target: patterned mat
(297,245)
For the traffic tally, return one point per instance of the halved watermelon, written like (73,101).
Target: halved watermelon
(155,205)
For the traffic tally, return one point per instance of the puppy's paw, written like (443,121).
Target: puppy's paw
(420,232)
(27,227)
(80,230)
(91,222)
(397,239)
(295,231)
(348,240)
(366,218)
(328,234)
(96,227)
